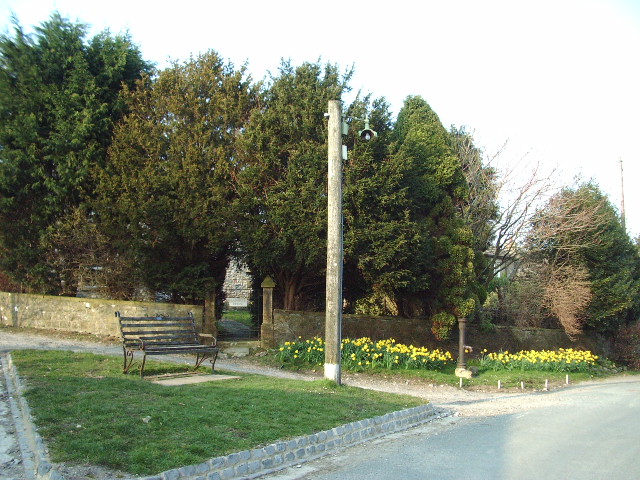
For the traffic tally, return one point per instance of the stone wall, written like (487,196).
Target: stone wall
(289,325)
(83,315)
(97,317)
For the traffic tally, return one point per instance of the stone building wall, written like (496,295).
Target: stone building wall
(237,285)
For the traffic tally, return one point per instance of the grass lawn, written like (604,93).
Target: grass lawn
(242,316)
(89,412)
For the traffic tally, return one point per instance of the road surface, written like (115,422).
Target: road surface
(587,431)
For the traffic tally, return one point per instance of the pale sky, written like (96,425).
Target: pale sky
(558,79)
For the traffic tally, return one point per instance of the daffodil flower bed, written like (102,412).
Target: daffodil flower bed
(561,360)
(363,353)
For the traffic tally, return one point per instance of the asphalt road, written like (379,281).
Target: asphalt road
(590,431)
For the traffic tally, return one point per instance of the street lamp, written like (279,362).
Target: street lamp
(366,133)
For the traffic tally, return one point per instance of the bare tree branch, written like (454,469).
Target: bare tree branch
(565,225)
(501,201)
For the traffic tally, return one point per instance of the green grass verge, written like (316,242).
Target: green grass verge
(487,380)
(89,412)
(242,316)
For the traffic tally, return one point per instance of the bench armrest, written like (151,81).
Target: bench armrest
(134,343)
(208,337)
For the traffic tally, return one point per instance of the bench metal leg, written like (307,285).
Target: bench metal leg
(213,361)
(128,359)
(144,359)
(201,357)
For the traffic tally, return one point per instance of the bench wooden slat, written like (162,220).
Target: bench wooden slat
(177,348)
(158,332)
(171,339)
(155,324)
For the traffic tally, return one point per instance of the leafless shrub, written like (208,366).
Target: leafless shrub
(567,294)
(521,303)
(544,293)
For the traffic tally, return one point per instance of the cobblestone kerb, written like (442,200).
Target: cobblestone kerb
(33,450)
(254,463)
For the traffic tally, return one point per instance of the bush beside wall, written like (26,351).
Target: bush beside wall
(627,346)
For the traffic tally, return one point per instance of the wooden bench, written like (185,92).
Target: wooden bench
(160,335)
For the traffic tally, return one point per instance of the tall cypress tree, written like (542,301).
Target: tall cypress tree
(58,104)
(165,195)
(282,187)
(428,267)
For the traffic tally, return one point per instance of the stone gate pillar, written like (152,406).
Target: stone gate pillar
(267,336)
(209,314)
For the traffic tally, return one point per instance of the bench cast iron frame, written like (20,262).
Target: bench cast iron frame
(160,335)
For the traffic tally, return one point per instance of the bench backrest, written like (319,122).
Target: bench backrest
(158,330)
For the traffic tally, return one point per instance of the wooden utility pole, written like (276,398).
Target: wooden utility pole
(333,318)
(622,214)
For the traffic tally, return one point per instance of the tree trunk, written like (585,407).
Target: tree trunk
(291,293)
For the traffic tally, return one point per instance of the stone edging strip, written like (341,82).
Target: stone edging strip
(247,464)
(254,463)
(34,453)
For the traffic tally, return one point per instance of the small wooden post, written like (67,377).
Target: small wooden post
(267,334)
(462,327)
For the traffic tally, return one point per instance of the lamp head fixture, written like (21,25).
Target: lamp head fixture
(367,133)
